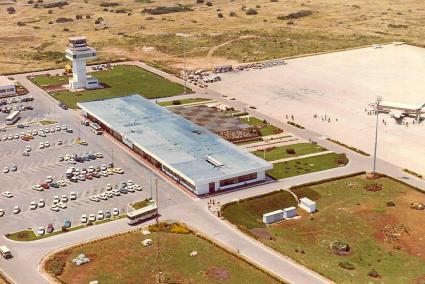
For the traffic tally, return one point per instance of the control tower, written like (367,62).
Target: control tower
(78,52)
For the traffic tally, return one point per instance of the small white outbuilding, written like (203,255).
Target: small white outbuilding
(273,217)
(307,204)
(289,212)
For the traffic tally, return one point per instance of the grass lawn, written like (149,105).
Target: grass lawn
(47,122)
(183,102)
(141,204)
(306,165)
(269,129)
(350,213)
(124,259)
(280,151)
(123,80)
(44,80)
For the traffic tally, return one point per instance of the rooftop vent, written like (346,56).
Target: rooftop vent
(214,162)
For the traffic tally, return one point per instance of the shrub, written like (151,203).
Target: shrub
(65,30)
(50,12)
(232,14)
(251,12)
(200,1)
(290,151)
(373,273)
(11,10)
(55,266)
(59,4)
(63,20)
(176,102)
(179,229)
(109,4)
(21,24)
(167,10)
(347,265)
(209,4)
(220,15)
(296,15)
(30,2)
(78,17)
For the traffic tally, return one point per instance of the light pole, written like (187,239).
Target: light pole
(184,60)
(377,102)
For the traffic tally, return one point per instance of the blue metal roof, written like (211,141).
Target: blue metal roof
(186,148)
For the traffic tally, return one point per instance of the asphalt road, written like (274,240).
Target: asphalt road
(174,203)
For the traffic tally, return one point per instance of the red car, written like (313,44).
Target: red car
(45,185)
(88,177)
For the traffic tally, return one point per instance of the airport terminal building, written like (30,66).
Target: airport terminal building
(194,157)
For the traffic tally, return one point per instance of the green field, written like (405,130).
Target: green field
(183,102)
(307,165)
(141,204)
(280,152)
(44,80)
(269,129)
(123,259)
(122,81)
(346,212)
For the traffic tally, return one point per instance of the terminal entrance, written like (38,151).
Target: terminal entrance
(212,187)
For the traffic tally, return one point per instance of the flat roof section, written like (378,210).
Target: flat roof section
(191,151)
(209,118)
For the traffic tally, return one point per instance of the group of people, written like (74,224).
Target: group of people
(325,118)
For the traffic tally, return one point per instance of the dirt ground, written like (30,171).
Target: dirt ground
(127,32)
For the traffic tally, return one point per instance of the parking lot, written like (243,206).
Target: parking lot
(52,160)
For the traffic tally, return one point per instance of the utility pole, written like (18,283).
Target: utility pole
(377,102)
(184,60)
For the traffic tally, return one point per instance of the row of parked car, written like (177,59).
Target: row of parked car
(117,190)
(74,158)
(15,100)
(261,65)
(42,132)
(100,215)
(74,174)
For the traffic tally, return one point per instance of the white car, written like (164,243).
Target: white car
(46,130)
(56,199)
(115,192)
(72,162)
(16,210)
(16,136)
(46,144)
(100,215)
(103,167)
(130,188)
(49,179)
(94,198)
(115,212)
(41,203)
(33,205)
(42,134)
(109,187)
(52,130)
(118,170)
(6,170)
(61,183)
(64,127)
(40,231)
(103,173)
(7,194)
(34,133)
(1,212)
(58,128)
(130,182)
(72,196)
(64,198)
(59,142)
(41,146)
(99,155)
(54,208)
(67,157)
(62,205)
(91,169)
(84,218)
(137,187)
(37,187)
(92,217)
(109,194)
(103,196)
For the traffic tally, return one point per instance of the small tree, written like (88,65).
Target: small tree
(251,12)
(11,10)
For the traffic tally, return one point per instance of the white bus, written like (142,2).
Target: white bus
(96,128)
(13,117)
(142,214)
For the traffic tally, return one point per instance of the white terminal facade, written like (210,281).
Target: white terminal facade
(194,157)
(7,87)
(78,52)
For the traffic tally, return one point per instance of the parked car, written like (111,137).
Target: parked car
(92,217)
(40,231)
(7,194)
(50,228)
(84,218)
(72,196)
(100,215)
(94,198)
(16,210)
(41,203)
(33,205)
(67,224)
(115,212)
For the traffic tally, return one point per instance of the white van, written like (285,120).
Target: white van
(5,252)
